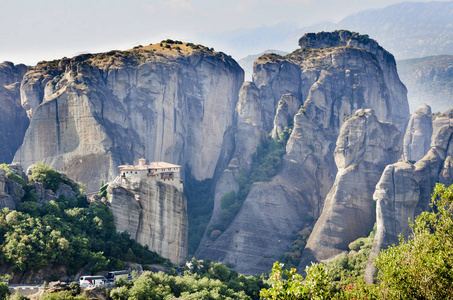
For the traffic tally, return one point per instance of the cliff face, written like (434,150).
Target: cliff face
(364,147)
(404,191)
(398,107)
(91,113)
(13,119)
(330,83)
(417,139)
(154,214)
(10,192)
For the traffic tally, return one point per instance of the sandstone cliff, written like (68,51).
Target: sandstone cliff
(398,107)
(154,214)
(364,147)
(404,191)
(330,83)
(13,119)
(417,139)
(91,113)
(10,192)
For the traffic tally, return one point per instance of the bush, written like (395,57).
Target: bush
(347,269)
(74,287)
(17,296)
(228,199)
(205,280)
(290,285)
(4,290)
(422,267)
(11,175)
(50,178)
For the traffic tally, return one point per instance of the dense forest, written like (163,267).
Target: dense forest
(68,231)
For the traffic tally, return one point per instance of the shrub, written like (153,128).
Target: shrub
(228,199)
(422,267)
(11,175)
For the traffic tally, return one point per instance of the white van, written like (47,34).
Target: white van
(92,280)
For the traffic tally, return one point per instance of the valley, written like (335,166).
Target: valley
(171,157)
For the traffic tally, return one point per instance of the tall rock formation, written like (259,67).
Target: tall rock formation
(404,191)
(364,147)
(170,102)
(331,81)
(398,107)
(417,139)
(248,135)
(153,212)
(13,119)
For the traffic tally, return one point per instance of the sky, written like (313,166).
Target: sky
(33,30)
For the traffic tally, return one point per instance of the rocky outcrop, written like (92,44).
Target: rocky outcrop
(364,147)
(91,113)
(398,108)
(248,135)
(10,192)
(288,107)
(154,214)
(13,119)
(440,120)
(404,191)
(266,225)
(330,83)
(417,139)
(12,189)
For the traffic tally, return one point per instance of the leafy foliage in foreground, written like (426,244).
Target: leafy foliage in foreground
(294,286)
(204,280)
(346,269)
(68,231)
(420,268)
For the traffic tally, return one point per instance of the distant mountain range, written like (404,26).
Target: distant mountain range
(428,80)
(407,30)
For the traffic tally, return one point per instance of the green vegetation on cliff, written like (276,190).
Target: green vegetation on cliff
(67,232)
(265,164)
(348,268)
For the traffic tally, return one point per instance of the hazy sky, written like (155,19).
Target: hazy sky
(32,30)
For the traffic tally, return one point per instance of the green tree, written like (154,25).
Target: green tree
(422,267)
(314,286)
(4,290)
(47,176)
